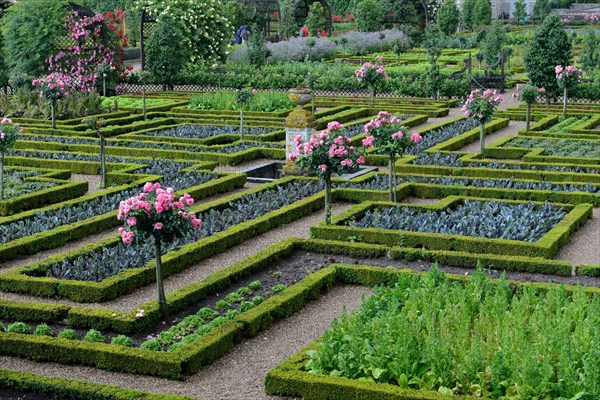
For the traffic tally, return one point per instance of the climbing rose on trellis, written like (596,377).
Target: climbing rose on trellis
(326,153)
(156,214)
(88,48)
(389,137)
(480,105)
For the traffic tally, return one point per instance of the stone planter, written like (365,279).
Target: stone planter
(300,97)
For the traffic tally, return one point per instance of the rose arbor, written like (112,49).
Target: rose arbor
(324,154)
(567,77)
(390,138)
(373,76)
(480,106)
(156,214)
(8,137)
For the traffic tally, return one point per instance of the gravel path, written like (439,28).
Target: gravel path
(197,272)
(512,130)
(93,182)
(238,375)
(584,246)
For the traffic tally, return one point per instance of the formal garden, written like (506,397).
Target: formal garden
(244,199)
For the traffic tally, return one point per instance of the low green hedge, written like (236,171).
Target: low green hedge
(220,340)
(71,389)
(66,233)
(546,247)
(64,190)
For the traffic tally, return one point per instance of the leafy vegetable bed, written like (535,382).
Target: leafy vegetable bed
(489,219)
(47,220)
(204,131)
(475,339)
(452,160)
(560,147)
(381,182)
(109,261)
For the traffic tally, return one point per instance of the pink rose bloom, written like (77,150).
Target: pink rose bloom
(148,187)
(334,125)
(158,226)
(157,185)
(415,137)
(360,160)
(323,167)
(368,141)
(397,135)
(132,221)
(196,223)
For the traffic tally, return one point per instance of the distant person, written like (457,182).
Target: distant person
(243,34)
(304,31)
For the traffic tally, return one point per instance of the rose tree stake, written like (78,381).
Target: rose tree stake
(480,106)
(391,139)
(326,153)
(154,213)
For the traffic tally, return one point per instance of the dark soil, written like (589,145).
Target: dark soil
(299,264)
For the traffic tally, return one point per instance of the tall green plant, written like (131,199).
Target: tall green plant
(541,9)
(164,61)
(96,124)
(447,17)
(482,13)
(316,21)
(33,30)
(550,47)
(590,54)
(368,16)
(520,11)
(8,138)
(492,43)
(287,27)
(467,14)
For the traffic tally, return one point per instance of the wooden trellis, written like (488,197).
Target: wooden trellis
(270,12)
(147,25)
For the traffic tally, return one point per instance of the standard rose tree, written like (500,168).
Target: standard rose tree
(390,138)
(324,154)
(567,77)
(52,88)
(528,94)
(156,214)
(480,105)
(373,76)
(8,137)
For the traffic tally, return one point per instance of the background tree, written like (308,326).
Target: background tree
(590,56)
(520,11)
(541,9)
(482,13)
(163,60)
(32,30)
(448,17)
(4,75)
(467,14)
(492,43)
(368,16)
(550,47)
(316,21)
